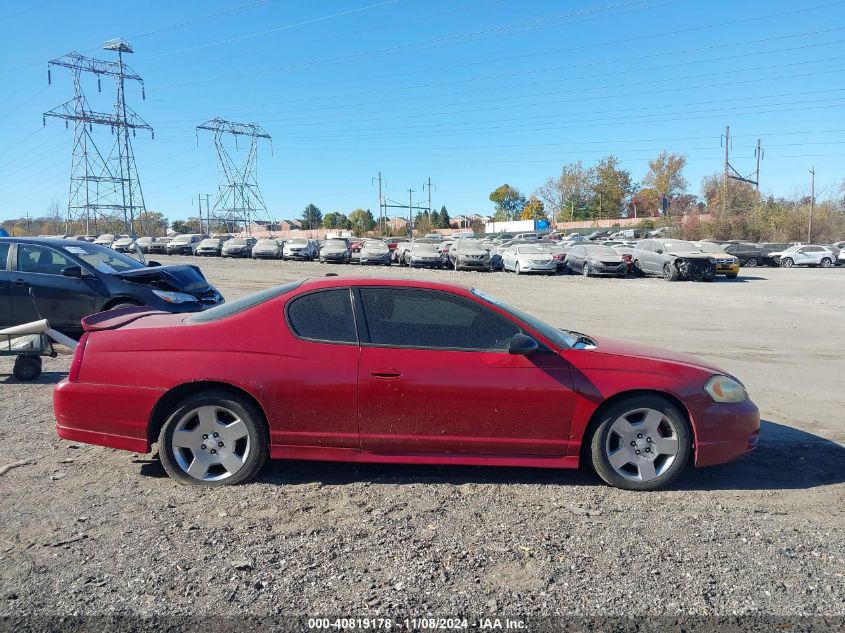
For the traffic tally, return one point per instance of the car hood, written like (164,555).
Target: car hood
(641,350)
(689,254)
(334,251)
(182,278)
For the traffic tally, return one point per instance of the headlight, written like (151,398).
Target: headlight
(725,389)
(175,297)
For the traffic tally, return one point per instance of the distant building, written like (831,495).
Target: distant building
(397,223)
(260,226)
(290,225)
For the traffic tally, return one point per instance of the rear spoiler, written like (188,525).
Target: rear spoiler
(113,319)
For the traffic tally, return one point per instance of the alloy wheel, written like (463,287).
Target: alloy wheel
(210,443)
(786,263)
(825,263)
(751,263)
(642,444)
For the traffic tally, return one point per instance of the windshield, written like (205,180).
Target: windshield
(708,247)
(375,246)
(236,242)
(270,243)
(182,239)
(336,244)
(298,241)
(144,240)
(424,248)
(601,251)
(225,310)
(556,336)
(104,260)
(212,241)
(531,250)
(681,246)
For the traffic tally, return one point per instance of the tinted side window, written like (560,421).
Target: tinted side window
(4,254)
(404,317)
(323,316)
(40,259)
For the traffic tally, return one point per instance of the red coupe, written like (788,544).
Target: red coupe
(392,371)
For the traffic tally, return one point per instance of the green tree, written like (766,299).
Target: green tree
(312,217)
(508,202)
(569,194)
(445,219)
(361,221)
(180,226)
(534,210)
(611,189)
(435,219)
(335,220)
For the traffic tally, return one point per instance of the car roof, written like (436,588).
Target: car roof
(361,280)
(45,241)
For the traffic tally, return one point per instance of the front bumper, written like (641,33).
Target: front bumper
(610,269)
(727,269)
(334,257)
(239,253)
(297,255)
(179,250)
(208,251)
(376,259)
(481,264)
(532,267)
(724,431)
(265,255)
(418,261)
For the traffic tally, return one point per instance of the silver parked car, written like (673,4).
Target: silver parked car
(211,246)
(238,247)
(300,248)
(186,244)
(425,254)
(268,248)
(672,260)
(469,255)
(375,252)
(595,259)
(337,250)
(529,258)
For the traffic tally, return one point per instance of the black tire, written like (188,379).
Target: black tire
(253,419)
(598,442)
(670,273)
(752,262)
(786,262)
(585,270)
(516,269)
(825,263)
(638,271)
(27,368)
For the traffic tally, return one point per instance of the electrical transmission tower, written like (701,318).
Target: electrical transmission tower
(733,174)
(239,200)
(104,188)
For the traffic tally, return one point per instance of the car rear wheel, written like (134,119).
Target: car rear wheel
(642,443)
(212,439)
(27,368)
(751,263)
(786,263)
(825,263)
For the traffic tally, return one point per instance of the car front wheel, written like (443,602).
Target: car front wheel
(825,263)
(670,273)
(213,438)
(641,443)
(786,263)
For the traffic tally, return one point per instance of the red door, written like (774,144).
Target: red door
(435,377)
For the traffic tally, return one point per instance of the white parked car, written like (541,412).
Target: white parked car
(106,239)
(185,244)
(805,255)
(529,258)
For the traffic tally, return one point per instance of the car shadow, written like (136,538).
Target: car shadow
(46,378)
(786,459)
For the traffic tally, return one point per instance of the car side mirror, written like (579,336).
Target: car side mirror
(72,271)
(153,264)
(522,344)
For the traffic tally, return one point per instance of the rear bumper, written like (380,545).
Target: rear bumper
(105,415)
(725,432)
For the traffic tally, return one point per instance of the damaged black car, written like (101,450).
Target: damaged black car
(64,281)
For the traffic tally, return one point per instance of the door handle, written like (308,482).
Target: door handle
(386,374)
(21,282)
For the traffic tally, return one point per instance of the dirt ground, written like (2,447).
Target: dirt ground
(92,531)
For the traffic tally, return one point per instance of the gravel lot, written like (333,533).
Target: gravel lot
(92,531)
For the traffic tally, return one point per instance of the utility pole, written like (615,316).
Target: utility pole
(410,218)
(727,166)
(758,152)
(208,212)
(199,204)
(812,204)
(381,219)
(429,185)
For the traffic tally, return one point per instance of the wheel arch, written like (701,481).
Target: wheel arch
(596,417)
(174,396)
(116,300)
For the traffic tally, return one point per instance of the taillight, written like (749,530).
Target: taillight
(76,363)
(627,259)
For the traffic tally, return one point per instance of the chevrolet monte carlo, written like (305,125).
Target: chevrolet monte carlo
(352,369)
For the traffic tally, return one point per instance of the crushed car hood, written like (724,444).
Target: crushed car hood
(689,254)
(182,278)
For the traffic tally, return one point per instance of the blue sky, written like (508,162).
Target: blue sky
(469,93)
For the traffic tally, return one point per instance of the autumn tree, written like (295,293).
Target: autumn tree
(508,202)
(534,210)
(665,175)
(335,220)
